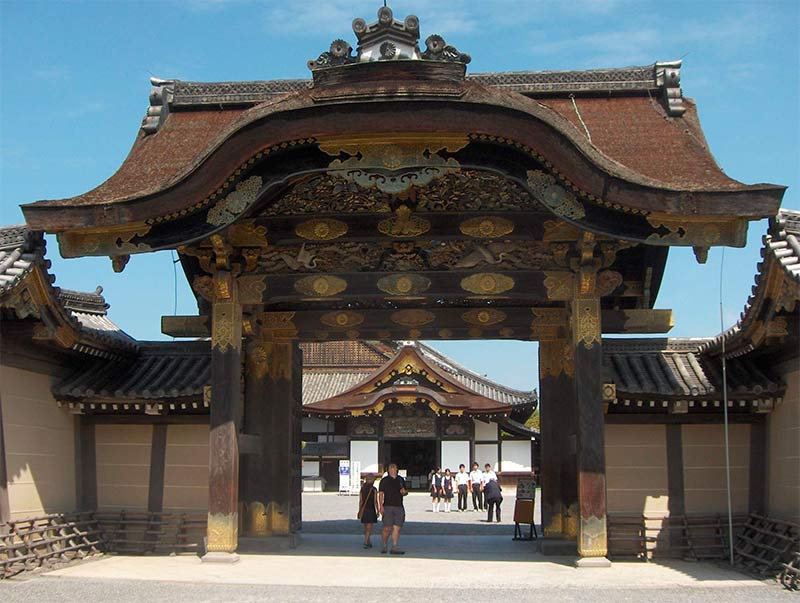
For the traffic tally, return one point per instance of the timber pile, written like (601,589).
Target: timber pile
(143,533)
(47,541)
(697,537)
(765,546)
(790,576)
(51,540)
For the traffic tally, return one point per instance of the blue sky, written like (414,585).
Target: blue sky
(74,79)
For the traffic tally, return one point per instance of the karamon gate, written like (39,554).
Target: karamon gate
(394,197)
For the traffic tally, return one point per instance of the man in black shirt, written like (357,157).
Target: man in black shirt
(390,503)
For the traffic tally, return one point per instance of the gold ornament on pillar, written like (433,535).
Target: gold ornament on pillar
(587,322)
(593,538)
(223,533)
(223,331)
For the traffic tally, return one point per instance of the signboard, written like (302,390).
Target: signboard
(525,489)
(344,476)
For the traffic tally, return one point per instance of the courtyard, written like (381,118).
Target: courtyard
(445,553)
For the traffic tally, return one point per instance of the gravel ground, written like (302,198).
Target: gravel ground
(136,591)
(330,565)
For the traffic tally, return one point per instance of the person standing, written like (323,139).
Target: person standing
(447,490)
(487,476)
(475,477)
(436,489)
(390,504)
(462,481)
(368,508)
(493,497)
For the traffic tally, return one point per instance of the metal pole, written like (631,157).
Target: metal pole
(725,413)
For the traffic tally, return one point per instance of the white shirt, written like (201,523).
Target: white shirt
(488,476)
(476,476)
(462,477)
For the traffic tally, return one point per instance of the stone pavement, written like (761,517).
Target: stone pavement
(330,565)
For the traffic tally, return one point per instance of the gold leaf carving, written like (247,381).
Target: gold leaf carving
(370,158)
(114,240)
(204,287)
(321,229)
(251,289)
(543,186)
(702,231)
(587,322)
(483,316)
(445,333)
(558,230)
(320,286)
(404,284)
(486,283)
(278,320)
(246,233)
(412,318)
(489,227)
(225,327)
(558,285)
(593,541)
(404,224)
(223,533)
(607,282)
(343,320)
(555,358)
(236,202)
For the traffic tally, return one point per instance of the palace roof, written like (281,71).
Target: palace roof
(73,320)
(673,375)
(625,126)
(772,312)
(625,139)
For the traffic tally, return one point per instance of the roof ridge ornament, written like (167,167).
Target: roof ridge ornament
(388,39)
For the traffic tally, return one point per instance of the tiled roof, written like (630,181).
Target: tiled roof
(633,136)
(341,354)
(656,369)
(22,252)
(16,256)
(161,370)
(776,288)
(318,385)
(217,94)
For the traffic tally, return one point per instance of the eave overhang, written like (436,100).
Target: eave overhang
(115,224)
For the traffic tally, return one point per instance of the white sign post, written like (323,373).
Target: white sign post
(344,477)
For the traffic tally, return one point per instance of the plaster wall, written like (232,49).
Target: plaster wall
(704,468)
(123,466)
(636,470)
(783,451)
(40,445)
(186,469)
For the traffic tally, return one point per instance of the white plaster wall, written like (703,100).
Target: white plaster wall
(40,445)
(485,431)
(365,452)
(487,453)
(123,466)
(636,470)
(455,453)
(704,477)
(783,451)
(186,469)
(516,455)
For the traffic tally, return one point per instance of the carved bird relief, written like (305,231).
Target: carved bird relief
(493,253)
(304,259)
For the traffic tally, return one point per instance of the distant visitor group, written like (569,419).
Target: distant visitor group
(387,500)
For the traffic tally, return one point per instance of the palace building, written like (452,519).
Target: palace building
(327,225)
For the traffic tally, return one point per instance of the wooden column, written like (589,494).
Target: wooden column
(759,468)
(85,464)
(675,488)
(5,507)
(586,338)
(158,457)
(226,343)
(273,411)
(558,468)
